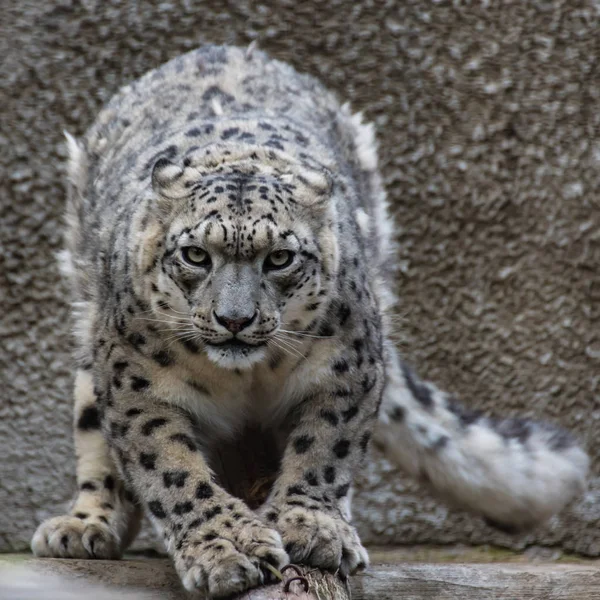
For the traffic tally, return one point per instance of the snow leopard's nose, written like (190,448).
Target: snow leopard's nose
(235,325)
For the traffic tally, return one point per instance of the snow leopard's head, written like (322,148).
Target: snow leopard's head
(245,251)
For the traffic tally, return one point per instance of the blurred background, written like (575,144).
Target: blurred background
(488,118)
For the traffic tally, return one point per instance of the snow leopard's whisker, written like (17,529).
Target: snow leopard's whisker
(179,326)
(304,334)
(179,312)
(164,312)
(173,329)
(190,336)
(182,330)
(161,312)
(164,315)
(173,339)
(291,348)
(284,344)
(175,324)
(290,339)
(169,320)
(181,334)
(171,309)
(279,346)
(288,342)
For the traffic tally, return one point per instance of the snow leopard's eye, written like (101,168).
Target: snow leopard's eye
(280,259)
(195,256)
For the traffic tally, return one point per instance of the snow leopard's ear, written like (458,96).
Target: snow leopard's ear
(165,177)
(309,187)
(168,185)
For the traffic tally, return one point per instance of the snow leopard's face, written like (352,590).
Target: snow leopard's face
(243,263)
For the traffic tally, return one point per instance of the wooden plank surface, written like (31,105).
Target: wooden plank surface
(153,579)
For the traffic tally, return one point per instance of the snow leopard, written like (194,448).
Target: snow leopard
(231,256)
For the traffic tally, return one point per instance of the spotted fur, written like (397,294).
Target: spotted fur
(231,256)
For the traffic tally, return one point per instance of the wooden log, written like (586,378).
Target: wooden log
(68,579)
(154,579)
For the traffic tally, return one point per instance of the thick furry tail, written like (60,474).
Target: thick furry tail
(516,473)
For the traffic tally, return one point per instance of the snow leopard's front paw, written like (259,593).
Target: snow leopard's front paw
(73,537)
(319,538)
(220,562)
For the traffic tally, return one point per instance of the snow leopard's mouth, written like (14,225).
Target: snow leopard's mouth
(235,344)
(235,353)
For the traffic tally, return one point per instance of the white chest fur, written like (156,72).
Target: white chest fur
(223,401)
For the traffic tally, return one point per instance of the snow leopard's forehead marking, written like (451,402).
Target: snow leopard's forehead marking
(240,214)
(242,200)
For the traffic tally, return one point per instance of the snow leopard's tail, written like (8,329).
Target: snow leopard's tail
(516,473)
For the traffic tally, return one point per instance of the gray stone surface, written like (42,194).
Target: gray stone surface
(490,143)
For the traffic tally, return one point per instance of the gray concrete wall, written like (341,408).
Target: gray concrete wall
(488,115)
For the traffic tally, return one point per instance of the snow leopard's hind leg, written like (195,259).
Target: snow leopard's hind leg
(104,517)
(516,473)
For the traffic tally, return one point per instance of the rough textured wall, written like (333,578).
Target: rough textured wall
(488,118)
